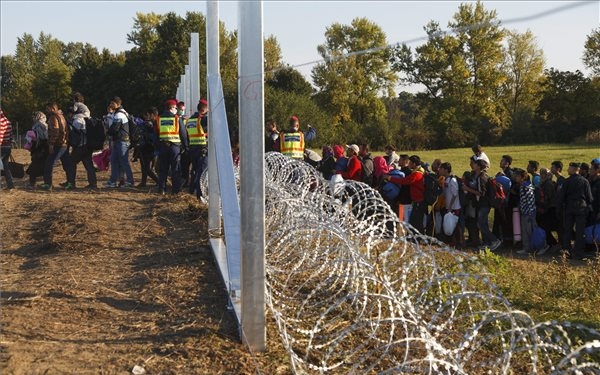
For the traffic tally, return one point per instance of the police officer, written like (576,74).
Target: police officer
(197,127)
(172,141)
(291,143)
(576,200)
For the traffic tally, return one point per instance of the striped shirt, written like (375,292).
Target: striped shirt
(6,132)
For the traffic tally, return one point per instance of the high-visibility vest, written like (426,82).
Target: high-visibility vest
(292,145)
(168,129)
(195,132)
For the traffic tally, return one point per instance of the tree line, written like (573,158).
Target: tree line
(478,82)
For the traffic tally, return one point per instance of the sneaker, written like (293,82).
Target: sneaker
(543,250)
(45,187)
(109,184)
(523,252)
(496,244)
(69,186)
(63,184)
(127,184)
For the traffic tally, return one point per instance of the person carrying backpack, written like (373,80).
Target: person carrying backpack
(526,208)
(145,148)
(452,204)
(417,191)
(80,152)
(483,205)
(118,129)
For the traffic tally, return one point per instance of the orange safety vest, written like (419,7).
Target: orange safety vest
(168,129)
(292,145)
(195,132)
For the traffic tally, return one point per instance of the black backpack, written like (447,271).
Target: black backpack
(75,137)
(462,196)
(129,133)
(95,133)
(432,188)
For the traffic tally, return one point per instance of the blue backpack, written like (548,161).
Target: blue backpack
(390,191)
(538,238)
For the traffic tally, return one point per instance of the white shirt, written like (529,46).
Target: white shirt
(451,191)
(483,156)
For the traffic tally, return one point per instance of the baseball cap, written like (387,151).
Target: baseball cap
(353,147)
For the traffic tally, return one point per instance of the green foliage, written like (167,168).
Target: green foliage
(570,104)
(591,55)
(349,85)
(280,105)
(291,80)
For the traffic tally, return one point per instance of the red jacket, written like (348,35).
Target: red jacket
(353,170)
(416,183)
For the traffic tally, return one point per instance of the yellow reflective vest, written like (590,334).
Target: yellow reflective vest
(168,129)
(195,132)
(292,145)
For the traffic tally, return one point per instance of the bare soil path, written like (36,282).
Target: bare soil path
(97,282)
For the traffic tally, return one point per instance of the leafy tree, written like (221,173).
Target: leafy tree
(281,104)
(291,80)
(591,55)
(523,67)
(569,106)
(35,75)
(273,60)
(461,69)
(480,39)
(350,83)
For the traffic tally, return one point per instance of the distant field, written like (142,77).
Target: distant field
(544,153)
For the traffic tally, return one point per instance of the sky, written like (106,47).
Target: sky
(560,27)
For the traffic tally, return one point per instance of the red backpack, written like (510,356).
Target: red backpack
(496,193)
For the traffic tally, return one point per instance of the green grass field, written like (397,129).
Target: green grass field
(543,153)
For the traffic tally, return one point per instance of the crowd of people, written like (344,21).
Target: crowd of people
(529,206)
(524,202)
(167,144)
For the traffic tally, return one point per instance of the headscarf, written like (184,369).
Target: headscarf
(327,152)
(338,151)
(380,167)
(40,127)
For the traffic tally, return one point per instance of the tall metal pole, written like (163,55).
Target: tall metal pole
(195,73)
(212,69)
(252,163)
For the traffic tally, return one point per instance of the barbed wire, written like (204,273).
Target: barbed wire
(354,290)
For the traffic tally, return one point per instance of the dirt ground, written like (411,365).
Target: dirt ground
(98,282)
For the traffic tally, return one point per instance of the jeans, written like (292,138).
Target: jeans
(67,164)
(119,162)
(84,154)
(484,226)
(168,158)
(7,174)
(527,224)
(199,165)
